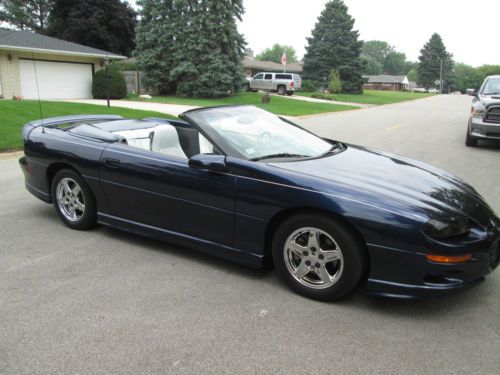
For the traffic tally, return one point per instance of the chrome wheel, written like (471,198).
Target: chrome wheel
(70,199)
(313,258)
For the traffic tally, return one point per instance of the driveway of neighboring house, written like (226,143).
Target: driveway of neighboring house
(171,109)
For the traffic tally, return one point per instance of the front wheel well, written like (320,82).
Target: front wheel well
(281,216)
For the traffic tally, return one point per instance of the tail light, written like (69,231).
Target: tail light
(292,84)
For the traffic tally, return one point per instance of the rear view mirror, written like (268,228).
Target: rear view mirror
(210,162)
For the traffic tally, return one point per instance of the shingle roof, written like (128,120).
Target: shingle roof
(250,62)
(385,78)
(29,41)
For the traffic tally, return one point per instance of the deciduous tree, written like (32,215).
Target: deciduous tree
(276,52)
(104,24)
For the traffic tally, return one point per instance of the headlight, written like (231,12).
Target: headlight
(478,112)
(446,227)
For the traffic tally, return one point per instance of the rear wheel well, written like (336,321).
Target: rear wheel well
(280,217)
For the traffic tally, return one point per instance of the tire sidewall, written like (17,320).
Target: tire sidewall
(89,217)
(353,252)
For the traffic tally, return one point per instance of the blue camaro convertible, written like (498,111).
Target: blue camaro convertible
(245,185)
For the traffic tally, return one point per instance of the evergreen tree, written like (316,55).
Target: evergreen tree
(371,66)
(103,24)
(335,45)
(200,49)
(431,55)
(26,14)
(276,52)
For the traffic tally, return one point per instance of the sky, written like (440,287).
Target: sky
(470,29)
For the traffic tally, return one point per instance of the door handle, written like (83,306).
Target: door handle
(111,163)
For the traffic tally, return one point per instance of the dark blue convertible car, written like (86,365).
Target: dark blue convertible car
(245,185)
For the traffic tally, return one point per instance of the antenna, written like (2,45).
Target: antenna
(38,93)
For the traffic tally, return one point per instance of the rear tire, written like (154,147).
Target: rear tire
(470,140)
(281,90)
(73,200)
(318,257)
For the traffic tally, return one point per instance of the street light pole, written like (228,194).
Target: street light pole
(106,64)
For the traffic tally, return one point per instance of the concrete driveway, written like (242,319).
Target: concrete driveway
(171,109)
(105,301)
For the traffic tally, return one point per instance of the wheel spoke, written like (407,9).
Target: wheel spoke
(331,255)
(301,270)
(313,240)
(79,205)
(76,190)
(297,249)
(66,187)
(323,274)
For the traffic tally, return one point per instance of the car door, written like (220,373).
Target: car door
(267,84)
(257,82)
(162,191)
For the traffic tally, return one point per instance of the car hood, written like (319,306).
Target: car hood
(396,178)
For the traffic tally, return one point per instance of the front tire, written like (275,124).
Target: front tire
(318,256)
(470,140)
(73,200)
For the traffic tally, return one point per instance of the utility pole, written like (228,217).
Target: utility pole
(106,64)
(441,76)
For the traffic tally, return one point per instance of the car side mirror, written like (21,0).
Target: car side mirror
(210,162)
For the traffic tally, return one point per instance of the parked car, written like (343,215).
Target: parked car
(282,83)
(433,91)
(419,89)
(243,184)
(484,118)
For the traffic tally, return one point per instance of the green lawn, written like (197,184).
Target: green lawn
(374,96)
(278,105)
(14,114)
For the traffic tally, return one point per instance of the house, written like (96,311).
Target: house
(251,66)
(34,65)
(386,82)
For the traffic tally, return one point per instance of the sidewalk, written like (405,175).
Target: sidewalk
(308,99)
(170,109)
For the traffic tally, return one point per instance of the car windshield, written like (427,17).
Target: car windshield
(254,134)
(492,87)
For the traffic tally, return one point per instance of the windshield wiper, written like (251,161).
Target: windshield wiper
(336,147)
(281,155)
(491,93)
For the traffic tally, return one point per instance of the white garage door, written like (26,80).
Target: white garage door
(55,80)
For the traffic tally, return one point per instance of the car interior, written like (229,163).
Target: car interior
(178,140)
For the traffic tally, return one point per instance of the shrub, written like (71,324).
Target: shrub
(320,95)
(309,86)
(334,82)
(117,85)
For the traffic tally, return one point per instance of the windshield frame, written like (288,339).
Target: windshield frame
(486,83)
(225,148)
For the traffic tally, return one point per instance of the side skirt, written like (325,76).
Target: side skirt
(207,247)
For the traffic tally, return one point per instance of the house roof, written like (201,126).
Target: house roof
(251,63)
(385,78)
(32,42)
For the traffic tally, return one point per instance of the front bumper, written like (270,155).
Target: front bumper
(409,275)
(486,130)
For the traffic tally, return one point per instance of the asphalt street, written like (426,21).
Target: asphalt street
(105,301)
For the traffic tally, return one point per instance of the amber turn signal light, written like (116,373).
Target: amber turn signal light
(449,258)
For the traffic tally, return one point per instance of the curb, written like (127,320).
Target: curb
(11,155)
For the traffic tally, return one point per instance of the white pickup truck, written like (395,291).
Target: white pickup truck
(282,83)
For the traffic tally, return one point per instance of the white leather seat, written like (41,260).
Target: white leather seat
(166,141)
(137,138)
(205,146)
